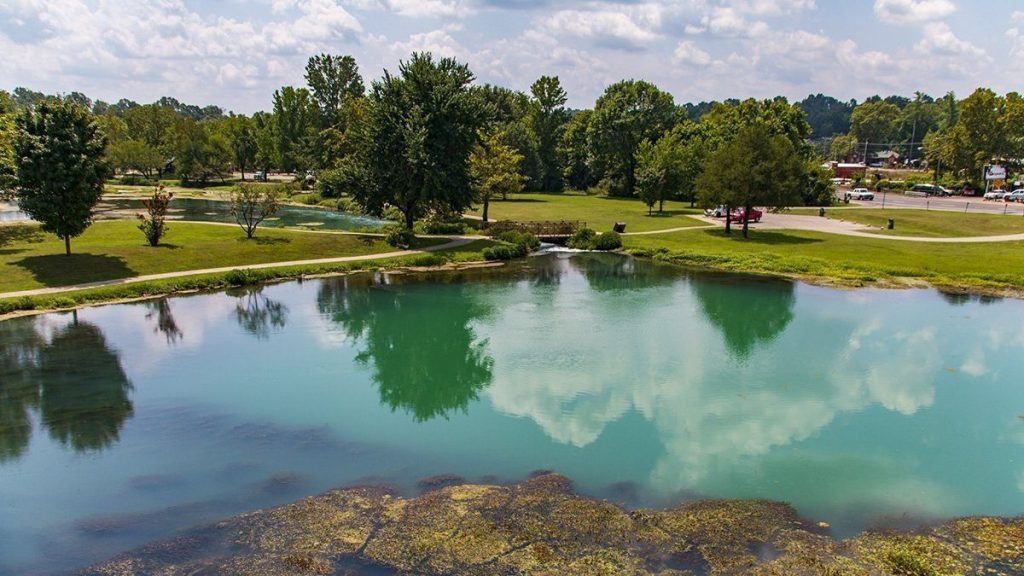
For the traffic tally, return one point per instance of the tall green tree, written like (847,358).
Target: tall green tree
(295,116)
(494,169)
(240,132)
(60,167)
(875,122)
(150,123)
(660,170)
(628,113)
(755,169)
(8,168)
(979,134)
(200,155)
(422,127)
(574,152)
(547,120)
(135,155)
(333,80)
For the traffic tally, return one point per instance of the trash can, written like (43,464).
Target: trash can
(892,224)
(821,212)
(619,227)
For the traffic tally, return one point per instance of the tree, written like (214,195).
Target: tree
(151,124)
(240,132)
(135,155)
(574,151)
(842,147)
(660,170)
(422,127)
(826,115)
(755,169)
(294,117)
(979,135)
(875,122)
(628,113)
(266,149)
(494,168)
(253,203)
(8,168)
(60,166)
(155,226)
(333,81)
(547,120)
(199,156)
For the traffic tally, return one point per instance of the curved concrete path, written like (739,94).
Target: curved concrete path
(455,243)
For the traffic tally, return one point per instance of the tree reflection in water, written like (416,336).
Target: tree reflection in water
(74,382)
(257,314)
(425,354)
(747,312)
(165,324)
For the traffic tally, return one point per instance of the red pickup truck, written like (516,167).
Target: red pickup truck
(739,215)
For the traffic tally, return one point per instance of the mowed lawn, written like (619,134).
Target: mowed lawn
(598,212)
(845,259)
(30,258)
(930,223)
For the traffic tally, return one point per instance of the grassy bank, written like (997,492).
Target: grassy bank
(30,258)
(928,223)
(843,260)
(599,212)
(467,253)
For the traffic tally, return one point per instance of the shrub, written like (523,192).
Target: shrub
(504,251)
(582,239)
(155,226)
(137,180)
(608,241)
(399,236)
(526,239)
(437,225)
(348,205)
(245,277)
(392,214)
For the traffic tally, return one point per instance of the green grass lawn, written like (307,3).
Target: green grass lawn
(599,212)
(31,259)
(842,259)
(931,223)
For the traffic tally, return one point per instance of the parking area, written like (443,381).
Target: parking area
(969,204)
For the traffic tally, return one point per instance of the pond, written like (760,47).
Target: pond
(646,385)
(201,210)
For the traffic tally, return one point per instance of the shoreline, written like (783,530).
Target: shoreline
(543,526)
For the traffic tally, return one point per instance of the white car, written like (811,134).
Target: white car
(861,194)
(1015,196)
(996,194)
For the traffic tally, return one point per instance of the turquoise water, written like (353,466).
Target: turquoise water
(217,211)
(124,424)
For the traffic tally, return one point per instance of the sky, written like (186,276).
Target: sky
(235,53)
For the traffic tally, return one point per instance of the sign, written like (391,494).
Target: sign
(995,173)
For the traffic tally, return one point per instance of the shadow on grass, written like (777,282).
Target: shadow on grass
(13,233)
(671,213)
(515,200)
(266,240)
(772,238)
(61,270)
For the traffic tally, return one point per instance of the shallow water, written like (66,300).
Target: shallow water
(124,424)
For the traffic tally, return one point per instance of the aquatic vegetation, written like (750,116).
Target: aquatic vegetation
(541,526)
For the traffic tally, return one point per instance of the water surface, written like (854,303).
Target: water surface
(123,424)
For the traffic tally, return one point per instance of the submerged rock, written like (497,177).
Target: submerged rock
(541,527)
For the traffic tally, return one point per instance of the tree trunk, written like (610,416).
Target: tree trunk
(728,219)
(487,203)
(409,221)
(746,220)
(67,245)
(661,205)
(650,209)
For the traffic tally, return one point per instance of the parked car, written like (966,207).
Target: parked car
(968,190)
(740,215)
(1015,196)
(716,212)
(928,190)
(861,194)
(996,194)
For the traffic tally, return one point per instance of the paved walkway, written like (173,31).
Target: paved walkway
(458,241)
(831,226)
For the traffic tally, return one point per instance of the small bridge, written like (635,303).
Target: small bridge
(548,231)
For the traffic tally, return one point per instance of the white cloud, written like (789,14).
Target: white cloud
(913,11)
(938,38)
(416,8)
(727,21)
(687,52)
(615,25)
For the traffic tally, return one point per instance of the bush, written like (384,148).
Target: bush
(348,205)
(582,239)
(525,239)
(505,251)
(399,237)
(245,277)
(436,225)
(137,180)
(608,241)
(393,214)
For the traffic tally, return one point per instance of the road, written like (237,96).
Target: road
(973,205)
